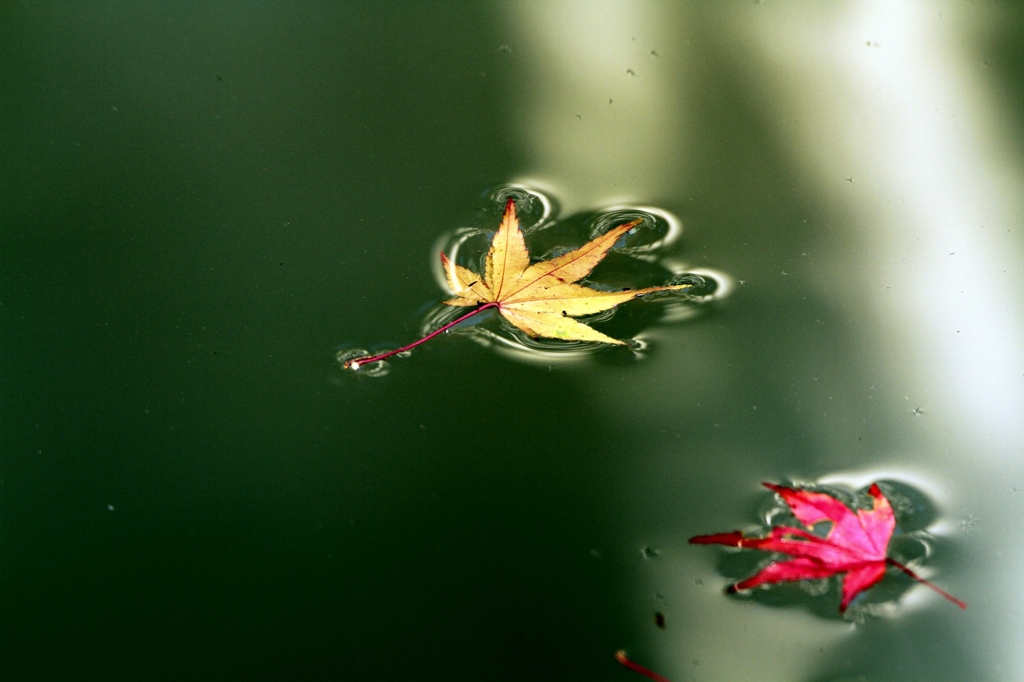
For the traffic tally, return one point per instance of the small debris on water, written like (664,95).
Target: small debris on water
(650,553)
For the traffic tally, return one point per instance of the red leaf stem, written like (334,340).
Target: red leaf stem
(355,363)
(947,595)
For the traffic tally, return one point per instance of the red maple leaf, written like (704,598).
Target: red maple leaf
(855,545)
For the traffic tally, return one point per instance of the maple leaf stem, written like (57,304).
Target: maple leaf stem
(620,656)
(947,595)
(355,363)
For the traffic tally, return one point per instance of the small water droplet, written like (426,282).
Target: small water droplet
(650,553)
(110,507)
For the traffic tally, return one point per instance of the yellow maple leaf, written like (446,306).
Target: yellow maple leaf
(539,298)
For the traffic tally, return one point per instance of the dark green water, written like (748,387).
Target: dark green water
(199,205)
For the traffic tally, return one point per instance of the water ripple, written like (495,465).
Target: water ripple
(637,260)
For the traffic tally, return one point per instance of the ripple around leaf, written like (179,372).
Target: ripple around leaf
(370,370)
(512,343)
(636,262)
(441,314)
(910,545)
(490,331)
(708,284)
(535,208)
(465,246)
(658,229)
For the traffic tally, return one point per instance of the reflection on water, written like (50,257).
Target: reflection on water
(857,170)
(201,206)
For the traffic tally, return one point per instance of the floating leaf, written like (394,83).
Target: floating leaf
(855,546)
(539,298)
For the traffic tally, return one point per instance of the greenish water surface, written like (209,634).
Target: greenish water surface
(200,205)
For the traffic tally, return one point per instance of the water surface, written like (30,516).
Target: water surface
(200,206)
